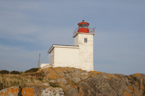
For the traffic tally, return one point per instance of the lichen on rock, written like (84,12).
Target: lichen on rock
(65,81)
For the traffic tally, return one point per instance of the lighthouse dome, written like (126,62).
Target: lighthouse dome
(83,27)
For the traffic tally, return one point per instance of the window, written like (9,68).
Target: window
(80,25)
(85,40)
(85,25)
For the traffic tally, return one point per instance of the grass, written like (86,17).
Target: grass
(23,79)
(54,84)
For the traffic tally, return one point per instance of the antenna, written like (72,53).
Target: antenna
(39,62)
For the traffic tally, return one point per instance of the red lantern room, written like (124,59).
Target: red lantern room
(83,27)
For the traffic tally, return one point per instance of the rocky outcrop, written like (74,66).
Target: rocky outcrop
(11,91)
(52,92)
(31,91)
(76,82)
(1,85)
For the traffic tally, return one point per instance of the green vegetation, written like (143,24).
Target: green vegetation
(4,72)
(14,72)
(54,84)
(32,70)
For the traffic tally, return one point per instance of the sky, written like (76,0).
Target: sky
(30,27)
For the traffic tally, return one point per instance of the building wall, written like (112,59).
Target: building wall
(66,57)
(51,57)
(76,40)
(44,65)
(80,56)
(85,50)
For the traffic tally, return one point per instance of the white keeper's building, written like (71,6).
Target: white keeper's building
(79,55)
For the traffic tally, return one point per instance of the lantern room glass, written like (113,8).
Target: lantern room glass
(83,26)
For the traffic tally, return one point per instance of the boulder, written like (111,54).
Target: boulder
(72,92)
(117,85)
(101,86)
(1,85)
(76,79)
(84,77)
(67,75)
(84,73)
(86,88)
(37,91)
(11,91)
(52,92)
(27,91)
(62,81)
(30,91)
(46,84)
(52,81)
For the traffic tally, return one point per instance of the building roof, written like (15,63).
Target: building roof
(62,46)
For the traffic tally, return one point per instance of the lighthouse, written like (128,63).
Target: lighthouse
(83,37)
(79,55)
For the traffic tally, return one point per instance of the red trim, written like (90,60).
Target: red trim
(83,22)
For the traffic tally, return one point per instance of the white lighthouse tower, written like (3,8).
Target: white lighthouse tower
(84,39)
(79,55)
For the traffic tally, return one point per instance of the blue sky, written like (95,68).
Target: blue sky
(30,27)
